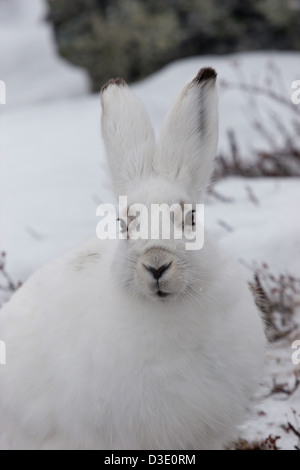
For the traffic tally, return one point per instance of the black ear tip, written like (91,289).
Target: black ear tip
(114,81)
(205,74)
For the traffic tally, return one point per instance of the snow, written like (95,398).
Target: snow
(29,63)
(53,171)
(267,230)
(275,411)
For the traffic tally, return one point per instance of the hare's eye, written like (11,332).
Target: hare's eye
(122,225)
(190,218)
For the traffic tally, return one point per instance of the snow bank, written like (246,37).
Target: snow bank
(238,111)
(29,64)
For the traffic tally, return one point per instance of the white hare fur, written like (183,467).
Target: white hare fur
(96,359)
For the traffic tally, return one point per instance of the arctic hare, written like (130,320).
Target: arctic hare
(136,344)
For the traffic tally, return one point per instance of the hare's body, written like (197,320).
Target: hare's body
(126,344)
(112,373)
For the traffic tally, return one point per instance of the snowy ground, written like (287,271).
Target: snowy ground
(53,172)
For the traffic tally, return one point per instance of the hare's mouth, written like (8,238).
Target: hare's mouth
(162,294)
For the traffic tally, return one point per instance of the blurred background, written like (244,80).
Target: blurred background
(134,38)
(54,57)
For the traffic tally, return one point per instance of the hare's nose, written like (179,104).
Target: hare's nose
(157,273)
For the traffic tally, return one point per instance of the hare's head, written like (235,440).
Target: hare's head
(165,178)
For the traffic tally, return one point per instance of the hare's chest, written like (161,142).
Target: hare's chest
(158,395)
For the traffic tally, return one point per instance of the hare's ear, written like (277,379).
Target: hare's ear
(189,135)
(128,135)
